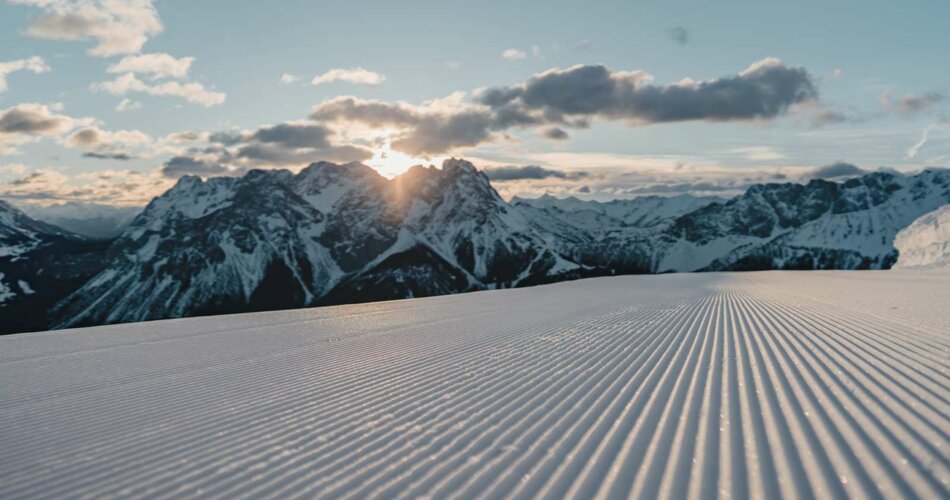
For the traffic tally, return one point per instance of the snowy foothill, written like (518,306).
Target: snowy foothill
(763,385)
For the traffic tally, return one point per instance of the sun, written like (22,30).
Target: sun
(391,163)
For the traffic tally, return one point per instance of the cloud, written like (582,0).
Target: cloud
(289,144)
(108,156)
(178,166)
(513,54)
(359,76)
(582,45)
(34,64)
(453,64)
(119,27)
(190,91)
(157,65)
(821,116)
(33,120)
(913,150)
(287,79)
(837,169)
(909,105)
(555,134)
(118,187)
(295,143)
(764,90)
(424,130)
(757,153)
(534,172)
(29,122)
(294,135)
(127,104)
(636,175)
(115,145)
(679,35)
(572,98)
(685,187)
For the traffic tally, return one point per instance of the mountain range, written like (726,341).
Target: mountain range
(87,219)
(334,234)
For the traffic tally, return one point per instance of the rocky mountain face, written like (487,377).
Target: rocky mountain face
(616,237)
(330,234)
(818,225)
(336,234)
(39,265)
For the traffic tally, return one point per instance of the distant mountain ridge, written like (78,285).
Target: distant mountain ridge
(39,264)
(88,219)
(342,233)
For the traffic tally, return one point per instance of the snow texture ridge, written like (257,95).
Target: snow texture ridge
(761,385)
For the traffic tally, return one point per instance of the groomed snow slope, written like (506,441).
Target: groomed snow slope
(779,384)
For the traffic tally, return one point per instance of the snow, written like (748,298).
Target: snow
(16,250)
(765,385)
(925,243)
(6,293)
(25,286)
(689,256)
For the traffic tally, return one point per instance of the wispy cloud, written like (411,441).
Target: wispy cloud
(360,76)
(155,66)
(913,150)
(190,91)
(116,187)
(909,105)
(127,104)
(757,153)
(33,64)
(118,27)
(515,173)
(513,54)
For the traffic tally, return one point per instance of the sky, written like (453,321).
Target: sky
(110,101)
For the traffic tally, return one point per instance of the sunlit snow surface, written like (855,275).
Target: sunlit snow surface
(769,385)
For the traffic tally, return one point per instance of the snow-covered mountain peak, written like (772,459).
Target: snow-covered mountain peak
(342,233)
(458,167)
(324,184)
(190,197)
(325,169)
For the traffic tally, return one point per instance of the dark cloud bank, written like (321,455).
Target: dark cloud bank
(573,97)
